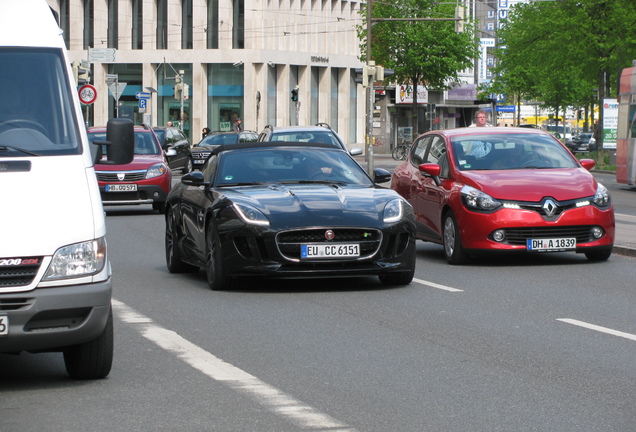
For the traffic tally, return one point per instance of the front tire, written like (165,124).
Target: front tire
(599,255)
(188,167)
(402,278)
(217,280)
(92,359)
(453,249)
(173,254)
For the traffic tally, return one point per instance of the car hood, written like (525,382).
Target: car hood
(339,205)
(533,184)
(140,162)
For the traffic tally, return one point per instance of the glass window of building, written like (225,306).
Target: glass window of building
(186,24)
(162,24)
(212,28)
(113,31)
(89,28)
(238,29)
(225,96)
(137,25)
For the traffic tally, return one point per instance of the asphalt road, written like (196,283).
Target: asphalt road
(530,343)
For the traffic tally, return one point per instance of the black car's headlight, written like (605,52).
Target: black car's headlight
(77,260)
(393,211)
(156,170)
(250,215)
(475,199)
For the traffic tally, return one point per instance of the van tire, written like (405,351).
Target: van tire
(92,359)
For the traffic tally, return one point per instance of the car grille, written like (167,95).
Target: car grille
(129,176)
(122,197)
(548,208)
(201,155)
(13,276)
(289,242)
(518,236)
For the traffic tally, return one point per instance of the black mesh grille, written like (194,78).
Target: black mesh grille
(289,241)
(128,176)
(19,275)
(518,236)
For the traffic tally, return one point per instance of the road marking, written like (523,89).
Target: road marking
(624,217)
(598,328)
(438,286)
(274,400)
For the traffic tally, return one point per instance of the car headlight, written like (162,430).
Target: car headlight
(77,260)
(393,211)
(156,170)
(475,199)
(602,196)
(250,215)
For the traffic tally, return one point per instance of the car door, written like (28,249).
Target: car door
(429,197)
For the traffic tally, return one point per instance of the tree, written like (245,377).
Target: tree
(428,52)
(559,52)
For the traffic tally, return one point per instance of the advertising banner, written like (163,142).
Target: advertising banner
(610,123)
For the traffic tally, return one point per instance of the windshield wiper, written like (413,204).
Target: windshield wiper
(244,184)
(6,147)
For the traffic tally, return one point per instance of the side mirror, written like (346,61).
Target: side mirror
(431,170)
(194,178)
(588,164)
(170,152)
(120,142)
(380,175)
(355,151)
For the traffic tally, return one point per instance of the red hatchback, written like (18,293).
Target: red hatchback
(146,180)
(504,189)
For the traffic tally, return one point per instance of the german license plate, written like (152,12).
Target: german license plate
(551,245)
(4,325)
(331,250)
(121,188)
(199,161)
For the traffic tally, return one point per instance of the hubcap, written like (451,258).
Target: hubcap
(449,236)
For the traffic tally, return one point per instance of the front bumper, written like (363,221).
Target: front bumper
(49,319)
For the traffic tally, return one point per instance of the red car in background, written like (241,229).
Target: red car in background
(146,180)
(504,189)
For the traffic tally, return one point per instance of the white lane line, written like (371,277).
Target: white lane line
(598,328)
(237,379)
(438,286)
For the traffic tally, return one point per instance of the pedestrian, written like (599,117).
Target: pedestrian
(169,124)
(237,124)
(205,132)
(480,119)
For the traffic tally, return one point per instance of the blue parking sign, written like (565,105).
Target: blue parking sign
(142,103)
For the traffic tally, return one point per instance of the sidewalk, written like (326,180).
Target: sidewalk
(624,243)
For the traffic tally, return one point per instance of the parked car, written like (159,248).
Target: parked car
(145,180)
(582,142)
(203,149)
(504,189)
(288,210)
(177,148)
(320,133)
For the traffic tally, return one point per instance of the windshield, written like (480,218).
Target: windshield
(313,137)
(510,151)
(215,140)
(289,165)
(36,110)
(145,143)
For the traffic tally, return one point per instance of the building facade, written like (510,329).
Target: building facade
(237,57)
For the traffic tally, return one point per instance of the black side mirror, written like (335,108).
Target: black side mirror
(120,142)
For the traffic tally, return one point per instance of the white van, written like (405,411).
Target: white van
(55,277)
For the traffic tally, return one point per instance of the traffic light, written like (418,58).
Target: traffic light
(178,87)
(82,74)
(294,94)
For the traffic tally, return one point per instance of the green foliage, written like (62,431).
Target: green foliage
(561,52)
(430,52)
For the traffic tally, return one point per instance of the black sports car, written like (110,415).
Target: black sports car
(288,210)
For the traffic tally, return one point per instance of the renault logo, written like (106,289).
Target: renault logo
(549,207)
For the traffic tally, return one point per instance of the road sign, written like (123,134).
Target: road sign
(142,95)
(116,89)
(87,94)
(99,55)
(142,105)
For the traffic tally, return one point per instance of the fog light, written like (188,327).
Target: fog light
(499,235)
(597,232)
